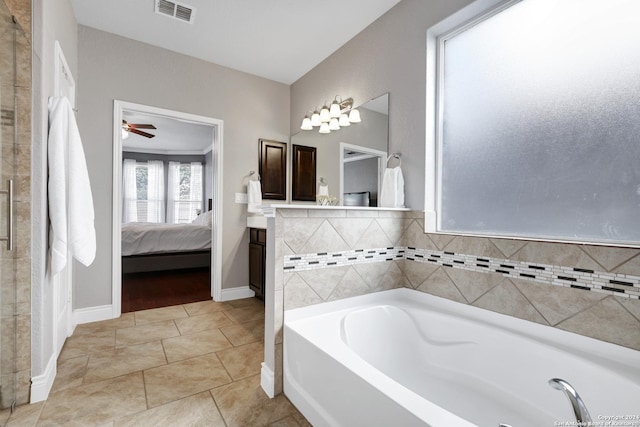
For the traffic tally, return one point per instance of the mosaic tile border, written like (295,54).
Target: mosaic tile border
(621,285)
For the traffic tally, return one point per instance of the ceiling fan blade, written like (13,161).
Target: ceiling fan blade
(141,126)
(141,133)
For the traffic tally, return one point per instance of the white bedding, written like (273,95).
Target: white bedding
(144,238)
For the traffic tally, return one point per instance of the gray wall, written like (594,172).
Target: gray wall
(113,67)
(52,20)
(388,56)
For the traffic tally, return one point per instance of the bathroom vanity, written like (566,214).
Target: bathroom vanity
(257,260)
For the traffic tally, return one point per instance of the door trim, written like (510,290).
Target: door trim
(216,229)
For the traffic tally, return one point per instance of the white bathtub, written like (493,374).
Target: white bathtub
(405,358)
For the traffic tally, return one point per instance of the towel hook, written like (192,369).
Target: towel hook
(322,181)
(395,156)
(254,176)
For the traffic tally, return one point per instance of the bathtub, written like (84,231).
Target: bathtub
(406,358)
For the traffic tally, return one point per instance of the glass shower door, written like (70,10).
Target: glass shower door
(9,31)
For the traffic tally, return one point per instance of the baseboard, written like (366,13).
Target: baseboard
(92,314)
(41,385)
(267,380)
(236,293)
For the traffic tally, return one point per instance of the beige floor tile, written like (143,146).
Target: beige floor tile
(244,333)
(124,360)
(160,314)
(244,403)
(285,422)
(81,345)
(204,307)
(124,321)
(146,333)
(180,379)
(25,415)
(70,373)
(195,411)
(302,421)
(192,345)
(96,403)
(245,314)
(247,302)
(244,361)
(202,322)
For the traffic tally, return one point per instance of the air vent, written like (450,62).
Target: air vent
(175,10)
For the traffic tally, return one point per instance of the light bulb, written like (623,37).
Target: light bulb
(334,111)
(333,124)
(354,116)
(344,120)
(324,128)
(306,123)
(315,119)
(125,134)
(324,115)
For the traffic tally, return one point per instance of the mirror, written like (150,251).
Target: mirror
(351,160)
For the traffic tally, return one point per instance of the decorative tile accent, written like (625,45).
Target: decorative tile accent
(621,285)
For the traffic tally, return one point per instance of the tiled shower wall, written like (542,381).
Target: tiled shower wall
(325,255)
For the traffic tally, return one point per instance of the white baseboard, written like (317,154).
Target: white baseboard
(236,293)
(92,314)
(41,385)
(267,380)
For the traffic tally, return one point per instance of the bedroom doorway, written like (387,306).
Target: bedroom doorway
(167,191)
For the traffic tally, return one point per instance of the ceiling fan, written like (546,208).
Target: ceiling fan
(135,128)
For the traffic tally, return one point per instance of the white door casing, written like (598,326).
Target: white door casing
(216,228)
(64,85)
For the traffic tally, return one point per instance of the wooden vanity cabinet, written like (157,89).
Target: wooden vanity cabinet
(257,260)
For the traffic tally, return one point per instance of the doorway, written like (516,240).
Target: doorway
(212,181)
(361,170)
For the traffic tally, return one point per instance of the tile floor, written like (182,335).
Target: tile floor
(188,365)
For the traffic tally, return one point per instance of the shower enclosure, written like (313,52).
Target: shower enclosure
(14,75)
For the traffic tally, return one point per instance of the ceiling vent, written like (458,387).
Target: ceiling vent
(175,10)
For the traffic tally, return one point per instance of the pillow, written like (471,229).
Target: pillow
(205,218)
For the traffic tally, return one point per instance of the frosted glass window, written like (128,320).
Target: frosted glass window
(539,123)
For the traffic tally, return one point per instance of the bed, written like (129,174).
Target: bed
(158,247)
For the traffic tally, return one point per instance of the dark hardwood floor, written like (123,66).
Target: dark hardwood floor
(142,291)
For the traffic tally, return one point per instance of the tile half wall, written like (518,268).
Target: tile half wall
(328,255)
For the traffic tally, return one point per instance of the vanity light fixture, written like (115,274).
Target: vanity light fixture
(340,114)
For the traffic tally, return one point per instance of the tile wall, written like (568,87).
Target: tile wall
(325,255)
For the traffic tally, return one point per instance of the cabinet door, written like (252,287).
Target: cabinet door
(273,169)
(256,268)
(303,187)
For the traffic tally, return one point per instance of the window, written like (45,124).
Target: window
(536,124)
(143,191)
(184,192)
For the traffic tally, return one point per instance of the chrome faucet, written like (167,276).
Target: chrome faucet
(579,408)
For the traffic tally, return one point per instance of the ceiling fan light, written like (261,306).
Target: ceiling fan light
(354,116)
(324,128)
(344,120)
(333,124)
(324,115)
(315,119)
(124,133)
(306,123)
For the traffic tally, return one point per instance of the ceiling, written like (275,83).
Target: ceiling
(279,40)
(172,136)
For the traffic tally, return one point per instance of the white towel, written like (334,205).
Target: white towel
(70,199)
(392,192)
(254,196)
(323,190)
